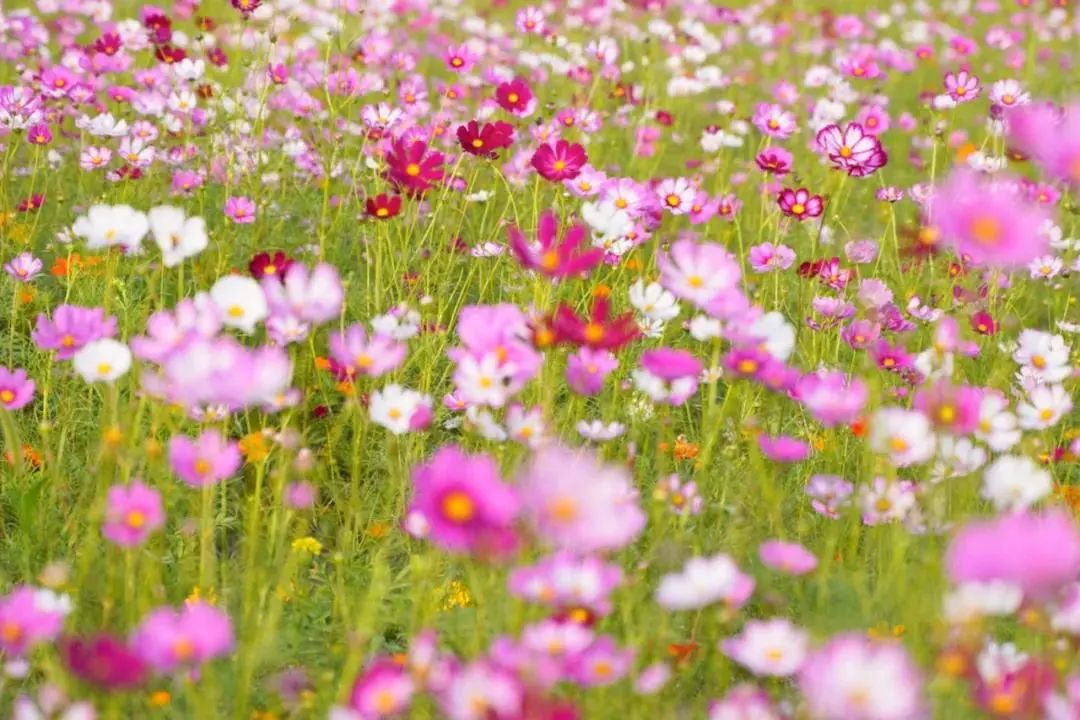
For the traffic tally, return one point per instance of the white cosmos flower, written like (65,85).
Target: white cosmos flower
(975,600)
(608,222)
(179,237)
(997,426)
(102,360)
(703,581)
(1014,483)
(653,301)
(776,333)
(905,435)
(394,407)
(104,125)
(112,225)
(241,301)
(599,431)
(1045,407)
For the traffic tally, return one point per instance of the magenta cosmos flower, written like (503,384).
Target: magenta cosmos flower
(787,557)
(1050,138)
(550,256)
(831,396)
(24,267)
(988,221)
(577,503)
(800,204)
(384,689)
(1037,552)
(72,327)
(465,504)
(412,167)
(169,639)
(587,368)
(204,460)
(559,161)
(16,389)
(783,448)
(852,149)
(132,512)
(240,210)
(103,661)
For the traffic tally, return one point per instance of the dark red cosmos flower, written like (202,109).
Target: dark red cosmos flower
(246,7)
(664,118)
(414,168)
(553,258)
(217,56)
(599,331)
(484,140)
(266,265)
(800,204)
(158,26)
(34,202)
(558,162)
(108,44)
(983,323)
(169,54)
(514,96)
(103,661)
(383,206)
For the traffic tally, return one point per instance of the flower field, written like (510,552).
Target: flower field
(579,359)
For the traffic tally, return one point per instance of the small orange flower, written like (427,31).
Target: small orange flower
(322,363)
(601,291)
(682,652)
(858,428)
(684,449)
(160,698)
(377,530)
(253,447)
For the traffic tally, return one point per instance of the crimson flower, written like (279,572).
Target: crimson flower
(553,258)
(514,96)
(266,265)
(103,661)
(484,140)
(561,161)
(383,206)
(246,7)
(414,168)
(599,331)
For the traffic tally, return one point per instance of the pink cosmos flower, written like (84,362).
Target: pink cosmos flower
(132,512)
(851,149)
(1051,138)
(384,689)
(465,504)
(205,460)
(787,557)
(962,86)
(744,701)
(559,161)
(576,502)
(413,167)
(551,257)
(774,120)
(360,354)
(854,678)
(831,397)
(668,375)
(568,583)
(240,210)
(698,272)
(768,257)
(800,204)
(952,409)
(29,617)
(587,368)
(314,296)
(24,267)
(1037,552)
(169,639)
(774,160)
(675,195)
(783,448)
(988,222)
(602,663)
(72,327)
(771,648)
(16,389)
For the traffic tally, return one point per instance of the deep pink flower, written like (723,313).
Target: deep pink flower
(103,661)
(384,689)
(240,210)
(800,204)
(783,448)
(465,504)
(413,167)
(559,161)
(16,389)
(852,149)
(550,256)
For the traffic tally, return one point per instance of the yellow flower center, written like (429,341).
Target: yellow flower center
(412,169)
(458,507)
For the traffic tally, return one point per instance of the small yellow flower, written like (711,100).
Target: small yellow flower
(196,596)
(601,291)
(253,447)
(160,698)
(307,544)
(456,595)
